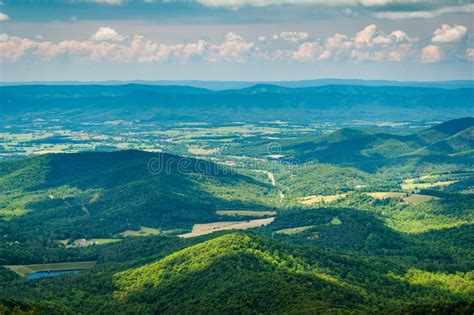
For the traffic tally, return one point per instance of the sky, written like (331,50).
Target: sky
(231,40)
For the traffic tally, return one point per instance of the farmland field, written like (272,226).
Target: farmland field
(406,197)
(23,270)
(249,213)
(207,228)
(310,200)
(408,186)
(295,230)
(143,231)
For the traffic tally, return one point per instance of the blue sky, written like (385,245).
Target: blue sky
(236,40)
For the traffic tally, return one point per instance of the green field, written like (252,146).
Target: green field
(143,231)
(406,197)
(249,213)
(295,230)
(23,270)
(208,228)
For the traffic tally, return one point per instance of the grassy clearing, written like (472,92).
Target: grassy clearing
(422,178)
(200,151)
(295,230)
(416,198)
(335,221)
(440,184)
(311,200)
(388,194)
(250,213)
(23,270)
(143,231)
(207,228)
(406,197)
(89,242)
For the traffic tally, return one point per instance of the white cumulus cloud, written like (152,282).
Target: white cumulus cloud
(294,36)
(448,34)
(374,45)
(234,49)
(470,54)
(12,48)
(4,17)
(431,54)
(308,51)
(107,34)
(370,44)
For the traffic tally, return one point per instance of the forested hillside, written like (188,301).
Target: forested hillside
(245,272)
(102,194)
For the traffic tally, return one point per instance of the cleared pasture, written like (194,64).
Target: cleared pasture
(23,270)
(143,231)
(201,151)
(411,185)
(416,198)
(311,200)
(295,230)
(388,194)
(335,221)
(250,213)
(207,228)
(422,178)
(406,197)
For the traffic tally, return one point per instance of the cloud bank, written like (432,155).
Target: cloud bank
(449,42)
(382,9)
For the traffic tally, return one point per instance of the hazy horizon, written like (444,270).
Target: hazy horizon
(242,81)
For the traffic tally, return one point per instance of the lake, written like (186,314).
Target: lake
(47,274)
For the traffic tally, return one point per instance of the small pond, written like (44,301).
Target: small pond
(53,273)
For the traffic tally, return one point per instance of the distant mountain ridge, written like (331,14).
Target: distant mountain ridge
(224,85)
(370,151)
(252,104)
(454,126)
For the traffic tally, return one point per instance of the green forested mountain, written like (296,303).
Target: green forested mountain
(369,151)
(102,194)
(242,272)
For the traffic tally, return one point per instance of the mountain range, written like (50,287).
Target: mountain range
(225,85)
(82,103)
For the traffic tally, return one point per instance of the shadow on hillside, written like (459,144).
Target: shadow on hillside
(113,192)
